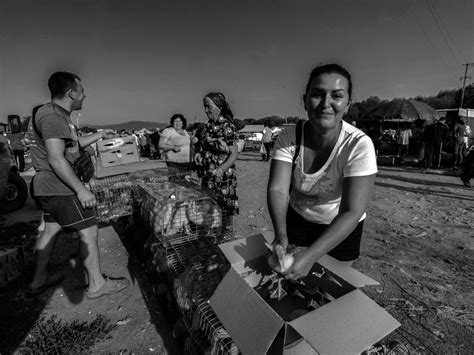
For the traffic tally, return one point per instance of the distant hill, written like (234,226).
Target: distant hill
(128,126)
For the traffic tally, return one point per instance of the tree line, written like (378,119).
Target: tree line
(445,99)
(360,110)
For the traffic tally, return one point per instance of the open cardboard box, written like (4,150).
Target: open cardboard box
(348,324)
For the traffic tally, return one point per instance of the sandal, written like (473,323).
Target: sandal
(53,281)
(110,287)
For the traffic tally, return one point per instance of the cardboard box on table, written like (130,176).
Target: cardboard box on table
(347,325)
(118,151)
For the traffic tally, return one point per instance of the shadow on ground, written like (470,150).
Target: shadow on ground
(418,181)
(133,236)
(18,311)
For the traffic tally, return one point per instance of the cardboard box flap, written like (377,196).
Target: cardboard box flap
(251,323)
(347,325)
(354,277)
(241,250)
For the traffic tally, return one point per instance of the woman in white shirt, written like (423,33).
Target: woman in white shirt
(331,176)
(176,142)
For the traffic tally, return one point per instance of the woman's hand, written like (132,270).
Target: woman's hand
(281,240)
(176,149)
(302,264)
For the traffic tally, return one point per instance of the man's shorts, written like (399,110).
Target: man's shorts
(67,211)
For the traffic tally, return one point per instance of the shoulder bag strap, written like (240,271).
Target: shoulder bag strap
(299,132)
(35,127)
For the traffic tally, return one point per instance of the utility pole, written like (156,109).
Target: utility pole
(464,82)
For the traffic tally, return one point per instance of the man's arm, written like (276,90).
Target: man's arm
(92,138)
(55,148)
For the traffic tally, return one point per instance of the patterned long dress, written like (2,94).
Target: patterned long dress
(215,138)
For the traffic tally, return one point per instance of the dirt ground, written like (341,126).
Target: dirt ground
(418,244)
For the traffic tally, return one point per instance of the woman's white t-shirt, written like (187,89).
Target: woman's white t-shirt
(316,197)
(170,136)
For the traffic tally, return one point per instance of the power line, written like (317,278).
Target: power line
(447,32)
(441,31)
(426,35)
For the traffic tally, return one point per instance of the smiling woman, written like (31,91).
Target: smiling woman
(175,142)
(331,172)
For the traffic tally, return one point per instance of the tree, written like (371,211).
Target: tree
(239,124)
(354,113)
(292,119)
(468,97)
(249,121)
(444,99)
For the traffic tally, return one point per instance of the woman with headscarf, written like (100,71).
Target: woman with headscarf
(215,159)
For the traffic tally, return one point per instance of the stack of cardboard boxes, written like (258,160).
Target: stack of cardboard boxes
(118,151)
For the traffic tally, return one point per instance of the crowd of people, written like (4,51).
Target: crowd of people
(56,146)
(432,145)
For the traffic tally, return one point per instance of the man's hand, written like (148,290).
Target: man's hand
(176,149)
(86,198)
(108,133)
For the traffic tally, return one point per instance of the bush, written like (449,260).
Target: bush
(55,336)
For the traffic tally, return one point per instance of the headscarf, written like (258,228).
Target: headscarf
(219,100)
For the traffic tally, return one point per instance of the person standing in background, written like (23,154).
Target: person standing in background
(434,135)
(403,140)
(467,137)
(458,132)
(468,168)
(266,141)
(155,140)
(217,152)
(176,143)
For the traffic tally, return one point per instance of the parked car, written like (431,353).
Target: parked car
(13,189)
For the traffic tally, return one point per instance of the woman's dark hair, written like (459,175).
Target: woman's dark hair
(181,117)
(60,82)
(328,69)
(220,101)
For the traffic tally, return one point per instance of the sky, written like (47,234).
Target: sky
(146,60)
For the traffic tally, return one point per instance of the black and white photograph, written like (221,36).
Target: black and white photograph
(236,177)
